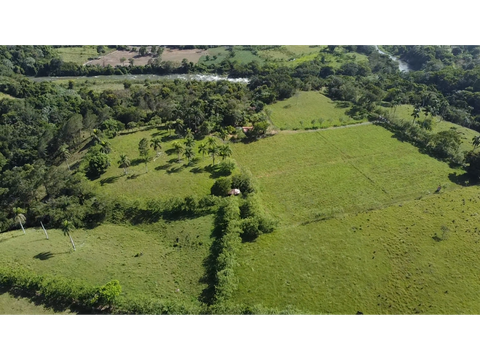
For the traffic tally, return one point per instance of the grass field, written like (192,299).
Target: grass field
(10,305)
(5,96)
(422,257)
(303,176)
(298,112)
(165,178)
(80,54)
(108,252)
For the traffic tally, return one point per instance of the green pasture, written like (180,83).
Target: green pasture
(11,305)
(421,257)
(166,177)
(305,176)
(298,112)
(172,256)
(80,54)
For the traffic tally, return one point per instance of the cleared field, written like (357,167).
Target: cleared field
(305,176)
(422,257)
(298,112)
(79,54)
(109,252)
(165,178)
(10,305)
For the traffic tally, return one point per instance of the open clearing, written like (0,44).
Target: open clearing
(422,257)
(304,176)
(108,252)
(10,305)
(298,112)
(175,55)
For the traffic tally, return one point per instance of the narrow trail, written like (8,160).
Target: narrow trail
(322,129)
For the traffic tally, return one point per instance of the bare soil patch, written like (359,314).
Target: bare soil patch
(175,55)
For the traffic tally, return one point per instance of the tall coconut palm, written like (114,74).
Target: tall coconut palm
(211,141)
(65,154)
(224,151)
(416,114)
(124,162)
(213,151)
(203,149)
(66,228)
(19,217)
(156,143)
(144,152)
(179,149)
(189,154)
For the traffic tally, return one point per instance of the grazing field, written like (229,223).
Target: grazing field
(306,176)
(299,111)
(421,257)
(171,257)
(166,177)
(79,54)
(10,305)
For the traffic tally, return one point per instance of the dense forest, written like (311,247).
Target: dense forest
(42,122)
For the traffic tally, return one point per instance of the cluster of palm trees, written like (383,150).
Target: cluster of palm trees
(214,149)
(67,226)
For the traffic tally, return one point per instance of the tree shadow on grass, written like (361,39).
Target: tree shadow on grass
(136,162)
(39,300)
(197,170)
(176,169)
(48,255)
(110,180)
(133,176)
(462,179)
(163,167)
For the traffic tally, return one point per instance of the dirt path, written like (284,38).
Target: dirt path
(323,129)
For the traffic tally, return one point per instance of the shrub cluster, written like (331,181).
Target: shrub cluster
(60,292)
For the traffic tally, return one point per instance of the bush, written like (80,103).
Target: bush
(243,181)
(221,187)
(226,167)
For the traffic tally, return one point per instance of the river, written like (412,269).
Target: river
(199,77)
(402,65)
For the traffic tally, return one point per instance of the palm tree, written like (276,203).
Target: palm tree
(213,151)
(224,151)
(19,217)
(65,154)
(179,149)
(178,125)
(211,141)
(476,141)
(416,114)
(202,149)
(96,135)
(143,150)
(189,153)
(124,162)
(156,143)
(105,147)
(66,228)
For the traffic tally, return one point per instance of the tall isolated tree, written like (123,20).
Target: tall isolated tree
(19,217)
(189,154)
(66,228)
(156,144)
(144,151)
(124,162)
(224,151)
(416,114)
(213,150)
(65,154)
(203,149)
(179,148)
